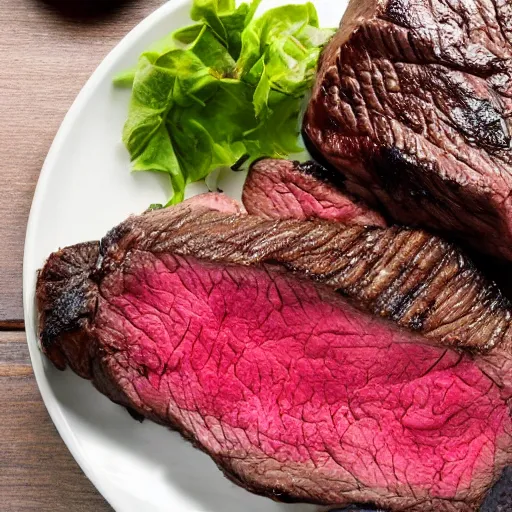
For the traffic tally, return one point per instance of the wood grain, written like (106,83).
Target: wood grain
(45,60)
(37,472)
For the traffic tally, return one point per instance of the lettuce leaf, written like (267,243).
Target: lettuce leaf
(226,88)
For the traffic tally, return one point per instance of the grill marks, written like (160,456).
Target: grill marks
(224,327)
(431,84)
(415,279)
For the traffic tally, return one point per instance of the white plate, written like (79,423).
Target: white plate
(84,189)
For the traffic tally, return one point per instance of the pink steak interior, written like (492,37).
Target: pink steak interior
(255,362)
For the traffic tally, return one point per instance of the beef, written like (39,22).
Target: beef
(282,189)
(228,328)
(285,189)
(412,103)
(216,201)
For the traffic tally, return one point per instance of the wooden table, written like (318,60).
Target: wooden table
(45,59)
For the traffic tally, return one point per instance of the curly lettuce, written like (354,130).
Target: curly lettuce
(225,89)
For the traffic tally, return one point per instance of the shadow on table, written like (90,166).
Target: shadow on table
(88,11)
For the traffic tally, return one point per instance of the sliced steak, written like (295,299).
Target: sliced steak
(228,329)
(282,189)
(216,201)
(413,102)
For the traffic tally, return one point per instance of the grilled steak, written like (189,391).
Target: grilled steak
(413,103)
(282,189)
(227,328)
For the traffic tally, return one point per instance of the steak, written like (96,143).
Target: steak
(228,328)
(282,189)
(216,201)
(412,103)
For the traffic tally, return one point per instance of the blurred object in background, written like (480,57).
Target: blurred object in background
(85,8)
(499,498)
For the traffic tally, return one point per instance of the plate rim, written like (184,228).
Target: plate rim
(102,71)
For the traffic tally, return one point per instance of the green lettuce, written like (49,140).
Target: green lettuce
(227,88)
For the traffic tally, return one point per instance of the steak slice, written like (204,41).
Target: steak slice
(216,201)
(412,103)
(192,318)
(282,189)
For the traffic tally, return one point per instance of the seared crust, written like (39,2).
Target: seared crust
(418,280)
(412,104)
(66,300)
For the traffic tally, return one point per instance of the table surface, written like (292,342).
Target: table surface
(45,60)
